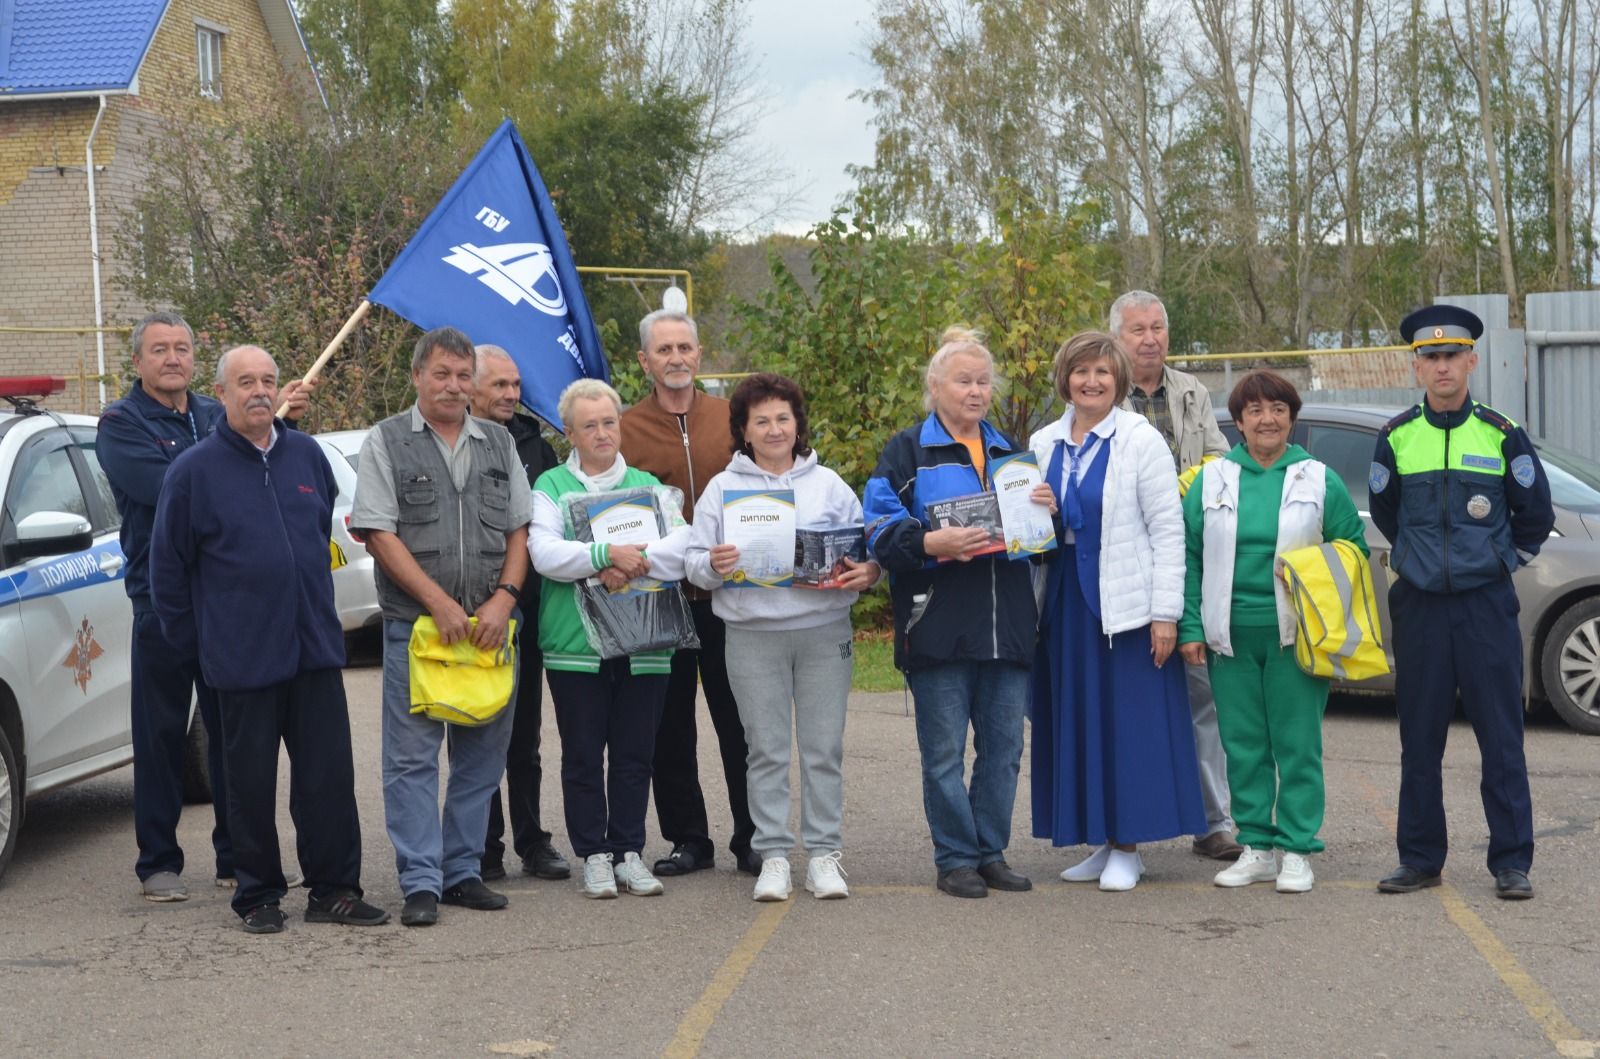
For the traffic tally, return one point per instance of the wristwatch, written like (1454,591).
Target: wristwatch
(516,593)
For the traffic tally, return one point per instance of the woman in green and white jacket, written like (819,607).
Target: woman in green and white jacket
(607,710)
(1264,498)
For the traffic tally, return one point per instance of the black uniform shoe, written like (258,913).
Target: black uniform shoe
(491,869)
(545,862)
(1406,880)
(999,876)
(347,907)
(1512,885)
(268,919)
(750,862)
(421,909)
(682,860)
(963,882)
(471,893)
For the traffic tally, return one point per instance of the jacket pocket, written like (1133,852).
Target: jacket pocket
(494,501)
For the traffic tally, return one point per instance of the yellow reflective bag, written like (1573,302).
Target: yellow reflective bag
(1338,633)
(460,683)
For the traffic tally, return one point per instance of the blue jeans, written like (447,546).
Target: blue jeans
(970,827)
(429,853)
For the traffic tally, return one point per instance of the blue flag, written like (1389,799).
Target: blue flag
(492,261)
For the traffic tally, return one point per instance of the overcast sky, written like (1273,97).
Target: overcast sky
(813,56)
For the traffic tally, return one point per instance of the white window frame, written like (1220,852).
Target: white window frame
(208,38)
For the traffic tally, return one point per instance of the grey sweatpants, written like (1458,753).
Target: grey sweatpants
(800,680)
(1208,750)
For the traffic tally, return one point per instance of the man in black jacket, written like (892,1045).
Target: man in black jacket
(497,393)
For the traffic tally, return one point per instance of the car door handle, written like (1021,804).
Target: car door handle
(110,564)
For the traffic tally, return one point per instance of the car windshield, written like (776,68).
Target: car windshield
(1574,480)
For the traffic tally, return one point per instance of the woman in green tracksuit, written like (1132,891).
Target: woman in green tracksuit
(1264,498)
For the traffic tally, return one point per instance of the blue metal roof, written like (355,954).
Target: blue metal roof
(54,46)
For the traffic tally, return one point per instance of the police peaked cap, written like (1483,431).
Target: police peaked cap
(1440,329)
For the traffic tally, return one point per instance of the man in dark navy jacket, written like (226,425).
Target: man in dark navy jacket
(239,572)
(139,437)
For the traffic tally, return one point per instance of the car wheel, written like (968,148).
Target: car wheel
(1571,666)
(196,763)
(10,801)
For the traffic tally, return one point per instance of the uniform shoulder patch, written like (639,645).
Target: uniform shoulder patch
(1377,477)
(1493,418)
(1524,471)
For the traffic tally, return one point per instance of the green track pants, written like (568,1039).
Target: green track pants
(1270,716)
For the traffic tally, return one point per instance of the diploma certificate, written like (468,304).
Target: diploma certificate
(627,520)
(1027,525)
(760,523)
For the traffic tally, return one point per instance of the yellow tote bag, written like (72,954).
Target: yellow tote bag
(460,683)
(1339,635)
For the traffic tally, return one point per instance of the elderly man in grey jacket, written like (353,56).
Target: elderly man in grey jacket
(1178,405)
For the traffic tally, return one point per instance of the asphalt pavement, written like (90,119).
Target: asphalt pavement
(1175,967)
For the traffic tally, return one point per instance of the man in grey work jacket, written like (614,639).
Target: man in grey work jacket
(1178,405)
(443,504)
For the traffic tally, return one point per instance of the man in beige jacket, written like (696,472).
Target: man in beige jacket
(1179,406)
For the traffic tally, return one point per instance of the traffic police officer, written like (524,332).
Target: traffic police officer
(1459,491)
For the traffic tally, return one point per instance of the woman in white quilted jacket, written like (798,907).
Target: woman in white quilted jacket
(1113,744)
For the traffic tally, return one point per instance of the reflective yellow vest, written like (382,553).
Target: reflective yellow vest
(460,683)
(1336,609)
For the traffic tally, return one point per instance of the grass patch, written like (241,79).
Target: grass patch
(875,671)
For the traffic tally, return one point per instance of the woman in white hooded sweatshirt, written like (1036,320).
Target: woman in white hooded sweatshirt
(789,649)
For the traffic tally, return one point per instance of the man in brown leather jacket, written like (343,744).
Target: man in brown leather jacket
(679,433)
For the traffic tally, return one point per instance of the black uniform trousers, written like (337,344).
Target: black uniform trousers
(523,770)
(1468,641)
(163,688)
(309,715)
(680,804)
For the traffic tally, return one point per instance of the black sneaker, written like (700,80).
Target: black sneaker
(545,862)
(421,909)
(492,869)
(471,893)
(264,919)
(347,907)
(682,860)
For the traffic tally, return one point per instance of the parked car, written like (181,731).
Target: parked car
(354,593)
(1559,591)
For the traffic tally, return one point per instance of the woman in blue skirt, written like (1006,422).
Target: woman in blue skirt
(1113,745)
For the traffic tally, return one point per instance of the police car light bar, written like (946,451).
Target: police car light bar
(31,385)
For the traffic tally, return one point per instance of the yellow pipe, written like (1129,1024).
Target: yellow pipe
(1262,354)
(611,270)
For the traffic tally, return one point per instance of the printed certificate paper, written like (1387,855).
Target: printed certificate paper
(760,523)
(1026,524)
(627,520)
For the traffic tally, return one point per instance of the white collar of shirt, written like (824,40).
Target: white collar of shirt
(598,483)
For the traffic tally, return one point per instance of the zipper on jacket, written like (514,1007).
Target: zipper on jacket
(688,460)
(994,607)
(461,545)
(1444,507)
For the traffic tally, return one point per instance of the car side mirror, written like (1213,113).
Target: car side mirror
(50,533)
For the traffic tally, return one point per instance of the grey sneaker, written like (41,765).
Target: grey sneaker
(599,878)
(164,886)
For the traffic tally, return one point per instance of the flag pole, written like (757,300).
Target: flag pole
(333,347)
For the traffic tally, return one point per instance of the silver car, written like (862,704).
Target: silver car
(1559,591)
(354,593)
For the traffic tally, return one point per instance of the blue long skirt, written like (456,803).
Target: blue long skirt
(1113,745)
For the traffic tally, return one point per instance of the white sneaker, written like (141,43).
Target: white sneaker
(1122,871)
(773,885)
(1089,868)
(825,876)
(599,880)
(1295,876)
(634,877)
(1253,865)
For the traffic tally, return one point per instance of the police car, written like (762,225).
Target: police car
(65,620)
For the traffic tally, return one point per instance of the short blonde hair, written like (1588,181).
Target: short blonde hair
(953,343)
(584,390)
(1086,347)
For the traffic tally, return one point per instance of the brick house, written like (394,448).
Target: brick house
(95,82)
